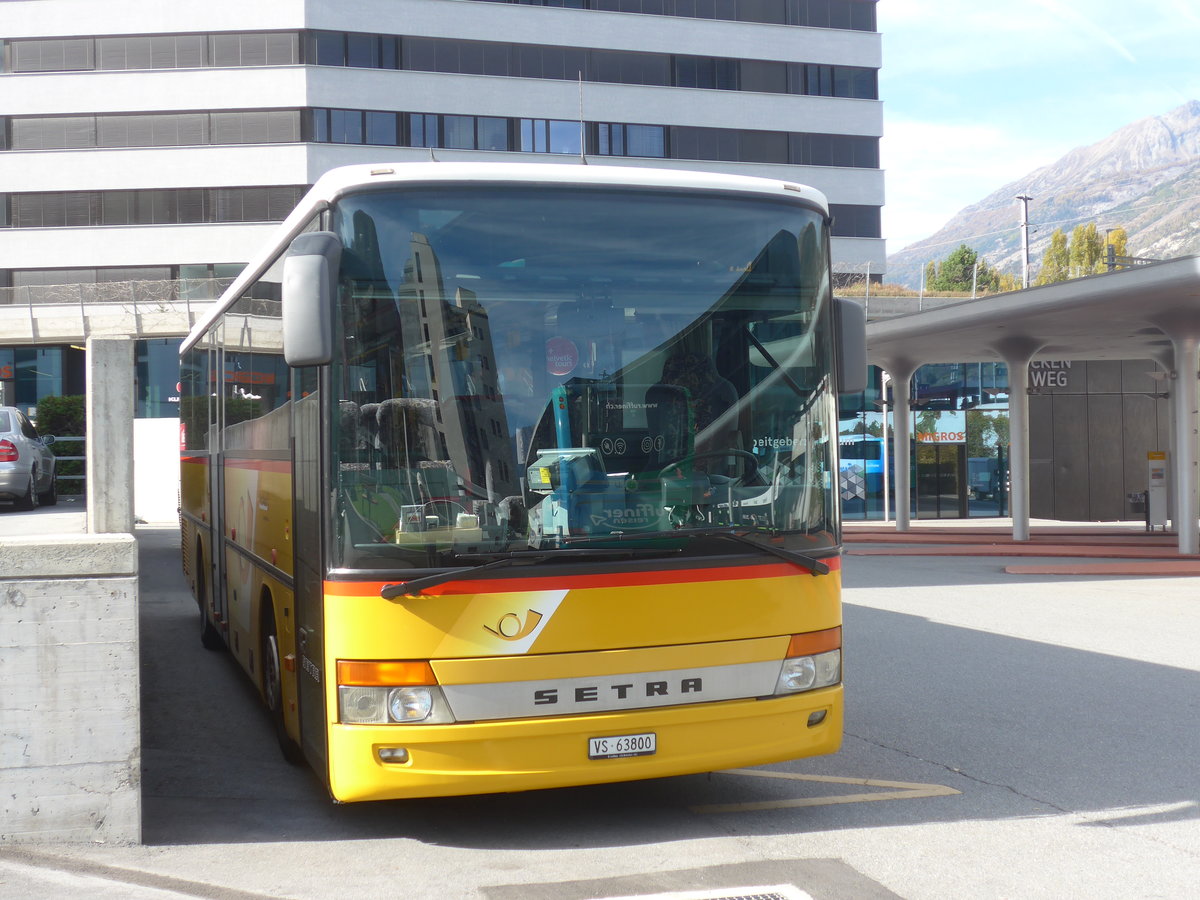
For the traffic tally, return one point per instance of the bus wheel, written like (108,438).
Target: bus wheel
(210,638)
(272,686)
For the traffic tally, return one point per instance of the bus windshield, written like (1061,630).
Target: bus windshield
(542,367)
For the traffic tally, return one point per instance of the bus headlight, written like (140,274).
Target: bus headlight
(814,660)
(410,704)
(390,693)
(381,705)
(806,673)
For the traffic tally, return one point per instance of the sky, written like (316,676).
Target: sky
(978,93)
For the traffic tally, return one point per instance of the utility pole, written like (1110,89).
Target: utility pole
(1024,239)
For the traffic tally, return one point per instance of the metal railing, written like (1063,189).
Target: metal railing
(137,293)
(82,459)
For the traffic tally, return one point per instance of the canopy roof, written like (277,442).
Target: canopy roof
(1127,314)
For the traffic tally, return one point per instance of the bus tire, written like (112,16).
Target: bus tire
(210,638)
(272,684)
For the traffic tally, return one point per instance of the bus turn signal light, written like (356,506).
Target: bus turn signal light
(815,642)
(384,672)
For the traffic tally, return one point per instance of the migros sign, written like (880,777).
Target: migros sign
(941,437)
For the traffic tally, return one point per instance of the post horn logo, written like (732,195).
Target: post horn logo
(511,628)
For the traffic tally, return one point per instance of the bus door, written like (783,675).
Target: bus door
(216,494)
(308,563)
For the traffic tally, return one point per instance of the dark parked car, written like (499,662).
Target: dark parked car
(27,467)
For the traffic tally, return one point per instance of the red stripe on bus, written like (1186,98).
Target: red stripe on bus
(577,582)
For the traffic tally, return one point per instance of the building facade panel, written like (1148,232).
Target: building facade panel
(92,170)
(38,18)
(80,93)
(644,104)
(563,27)
(150,245)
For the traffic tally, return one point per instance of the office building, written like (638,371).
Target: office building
(147,148)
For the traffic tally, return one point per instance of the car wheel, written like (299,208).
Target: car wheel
(30,500)
(49,497)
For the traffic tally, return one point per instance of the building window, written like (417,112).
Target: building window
(858,15)
(335,48)
(54,55)
(345,126)
(423,130)
(381,129)
(384,128)
(154,207)
(550,136)
(850,220)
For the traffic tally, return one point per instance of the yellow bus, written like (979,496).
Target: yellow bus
(499,477)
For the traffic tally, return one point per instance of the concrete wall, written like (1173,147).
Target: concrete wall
(70,745)
(1091,425)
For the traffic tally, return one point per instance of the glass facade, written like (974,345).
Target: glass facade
(28,374)
(959,453)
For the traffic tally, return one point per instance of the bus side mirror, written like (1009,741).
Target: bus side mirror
(850,323)
(310,275)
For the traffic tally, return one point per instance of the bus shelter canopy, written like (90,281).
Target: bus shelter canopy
(1148,312)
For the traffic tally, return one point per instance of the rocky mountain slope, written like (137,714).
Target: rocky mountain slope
(1144,177)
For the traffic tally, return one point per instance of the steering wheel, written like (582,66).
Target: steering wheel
(751,465)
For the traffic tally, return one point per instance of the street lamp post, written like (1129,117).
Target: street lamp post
(1024,239)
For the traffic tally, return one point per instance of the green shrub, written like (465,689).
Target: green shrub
(65,417)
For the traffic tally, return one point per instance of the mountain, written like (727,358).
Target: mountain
(1144,177)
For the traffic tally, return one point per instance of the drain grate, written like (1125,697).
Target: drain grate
(755,892)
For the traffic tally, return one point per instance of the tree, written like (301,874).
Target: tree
(1007,282)
(1085,254)
(1086,251)
(1056,261)
(962,270)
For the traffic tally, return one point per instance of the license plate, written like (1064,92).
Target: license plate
(619,745)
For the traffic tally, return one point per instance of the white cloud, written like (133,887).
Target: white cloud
(977,95)
(934,170)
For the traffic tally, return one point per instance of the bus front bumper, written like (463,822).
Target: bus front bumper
(529,754)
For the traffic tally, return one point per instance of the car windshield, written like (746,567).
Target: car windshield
(534,367)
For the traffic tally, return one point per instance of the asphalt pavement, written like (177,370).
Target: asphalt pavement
(1007,735)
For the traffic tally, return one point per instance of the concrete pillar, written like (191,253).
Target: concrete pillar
(1182,326)
(901,373)
(1183,413)
(110,435)
(1017,352)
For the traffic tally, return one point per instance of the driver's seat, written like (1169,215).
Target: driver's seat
(691,384)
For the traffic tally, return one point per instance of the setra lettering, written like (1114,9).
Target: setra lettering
(594,693)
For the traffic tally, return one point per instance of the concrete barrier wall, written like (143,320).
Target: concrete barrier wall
(70,740)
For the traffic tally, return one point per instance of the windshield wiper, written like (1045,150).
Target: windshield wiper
(517,557)
(814,565)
